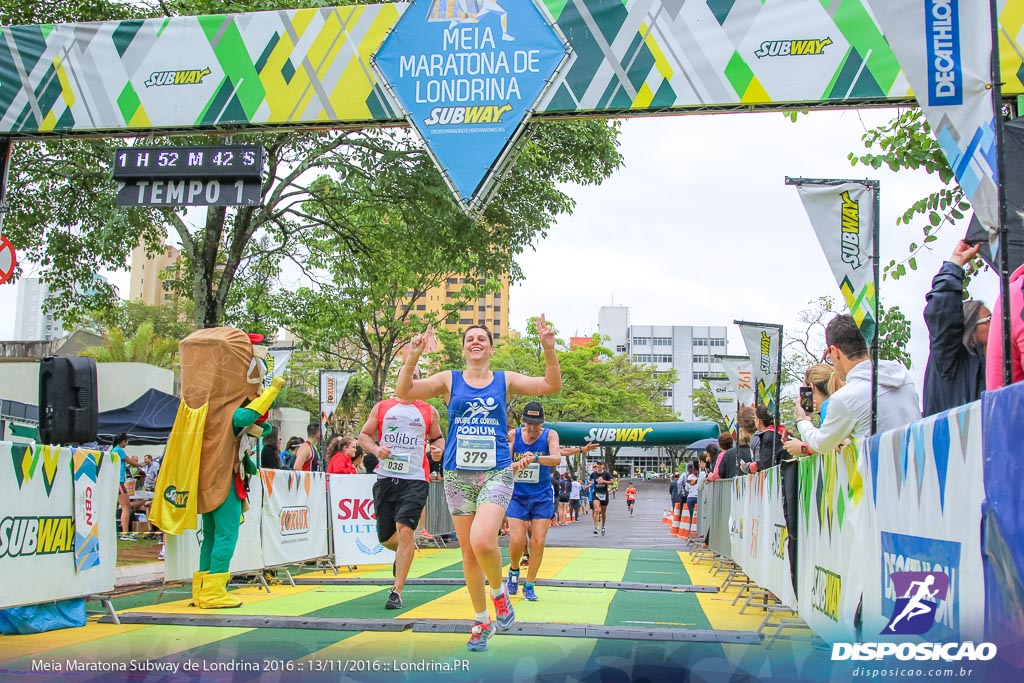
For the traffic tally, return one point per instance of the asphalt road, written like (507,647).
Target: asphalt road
(643,530)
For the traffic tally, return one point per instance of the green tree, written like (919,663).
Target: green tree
(906,142)
(171,320)
(142,346)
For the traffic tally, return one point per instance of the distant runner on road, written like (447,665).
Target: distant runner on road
(599,480)
(630,498)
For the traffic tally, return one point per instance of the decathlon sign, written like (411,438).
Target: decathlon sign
(466,74)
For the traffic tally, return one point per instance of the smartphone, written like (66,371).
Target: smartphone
(807,399)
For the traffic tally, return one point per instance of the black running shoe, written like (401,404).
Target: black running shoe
(394,601)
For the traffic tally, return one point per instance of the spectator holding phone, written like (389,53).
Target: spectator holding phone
(957,333)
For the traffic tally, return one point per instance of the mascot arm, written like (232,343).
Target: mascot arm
(247,416)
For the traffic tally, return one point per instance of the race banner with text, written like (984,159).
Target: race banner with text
(50,497)
(758,538)
(725,397)
(332,387)
(277,363)
(763,342)
(182,551)
(354,521)
(944,48)
(740,371)
(927,488)
(294,516)
(836,519)
(843,218)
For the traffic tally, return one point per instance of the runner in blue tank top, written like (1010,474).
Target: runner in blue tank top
(478,475)
(535,451)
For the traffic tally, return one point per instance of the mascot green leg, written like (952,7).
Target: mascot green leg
(220,535)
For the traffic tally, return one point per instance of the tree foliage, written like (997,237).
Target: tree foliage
(141,346)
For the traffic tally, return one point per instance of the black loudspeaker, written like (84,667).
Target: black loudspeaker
(68,407)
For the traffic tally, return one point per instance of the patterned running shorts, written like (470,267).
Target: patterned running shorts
(466,490)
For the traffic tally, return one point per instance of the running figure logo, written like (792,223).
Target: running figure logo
(915,611)
(479,407)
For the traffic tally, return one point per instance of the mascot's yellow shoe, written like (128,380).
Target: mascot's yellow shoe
(197,585)
(214,592)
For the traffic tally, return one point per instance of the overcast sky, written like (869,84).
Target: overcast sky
(699,228)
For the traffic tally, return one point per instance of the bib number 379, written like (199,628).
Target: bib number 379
(476,453)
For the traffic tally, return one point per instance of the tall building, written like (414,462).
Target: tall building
(149,274)
(32,322)
(490,310)
(687,349)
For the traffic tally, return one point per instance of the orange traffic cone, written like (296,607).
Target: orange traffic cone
(675,521)
(666,517)
(684,523)
(692,528)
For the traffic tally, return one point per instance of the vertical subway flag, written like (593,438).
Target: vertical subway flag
(945,49)
(842,216)
(277,362)
(741,374)
(763,341)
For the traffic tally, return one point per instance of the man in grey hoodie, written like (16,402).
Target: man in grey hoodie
(849,408)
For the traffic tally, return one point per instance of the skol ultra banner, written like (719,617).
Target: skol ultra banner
(945,50)
(741,375)
(763,342)
(354,521)
(835,522)
(843,218)
(927,488)
(294,516)
(182,551)
(57,538)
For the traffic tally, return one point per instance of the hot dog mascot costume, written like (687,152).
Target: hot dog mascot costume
(211,451)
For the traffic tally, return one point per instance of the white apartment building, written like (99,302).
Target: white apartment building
(687,349)
(32,322)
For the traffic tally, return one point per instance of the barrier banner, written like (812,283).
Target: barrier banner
(842,216)
(945,50)
(354,522)
(926,487)
(1003,517)
(759,539)
(294,516)
(835,523)
(763,341)
(182,551)
(38,524)
(721,514)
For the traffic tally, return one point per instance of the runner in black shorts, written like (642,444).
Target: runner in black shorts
(401,434)
(600,480)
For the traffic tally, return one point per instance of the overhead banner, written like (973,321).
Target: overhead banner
(182,551)
(927,488)
(332,387)
(945,50)
(354,521)
(763,342)
(843,218)
(57,533)
(467,75)
(725,396)
(741,375)
(294,516)
(313,66)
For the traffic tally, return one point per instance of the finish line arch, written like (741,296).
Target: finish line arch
(640,434)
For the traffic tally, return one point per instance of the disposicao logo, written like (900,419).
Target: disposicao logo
(180,77)
(918,597)
(792,48)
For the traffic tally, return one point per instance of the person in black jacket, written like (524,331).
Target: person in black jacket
(766,446)
(740,453)
(957,334)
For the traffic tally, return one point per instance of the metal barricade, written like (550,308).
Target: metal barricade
(438,520)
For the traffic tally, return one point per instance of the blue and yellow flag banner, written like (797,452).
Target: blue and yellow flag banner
(843,217)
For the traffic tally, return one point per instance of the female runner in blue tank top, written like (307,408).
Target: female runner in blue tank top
(478,477)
